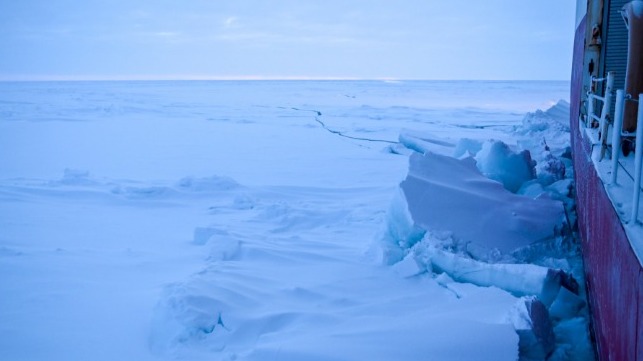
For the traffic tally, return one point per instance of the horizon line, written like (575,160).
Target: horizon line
(46,78)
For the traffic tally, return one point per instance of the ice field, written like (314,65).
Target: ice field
(264,220)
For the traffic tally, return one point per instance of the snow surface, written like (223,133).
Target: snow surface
(240,221)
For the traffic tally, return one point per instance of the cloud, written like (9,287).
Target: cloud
(266,38)
(230,21)
(166,34)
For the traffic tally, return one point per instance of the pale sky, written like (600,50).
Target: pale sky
(364,39)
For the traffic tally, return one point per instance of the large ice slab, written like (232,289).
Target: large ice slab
(448,194)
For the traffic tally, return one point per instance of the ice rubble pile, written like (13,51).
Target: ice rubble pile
(490,215)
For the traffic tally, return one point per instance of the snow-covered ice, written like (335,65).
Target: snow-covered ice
(250,221)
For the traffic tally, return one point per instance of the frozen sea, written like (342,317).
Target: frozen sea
(234,220)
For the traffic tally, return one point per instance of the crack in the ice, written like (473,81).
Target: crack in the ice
(337,132)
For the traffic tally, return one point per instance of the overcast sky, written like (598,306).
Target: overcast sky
(365,39)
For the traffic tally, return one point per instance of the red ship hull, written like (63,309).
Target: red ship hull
(614,274)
